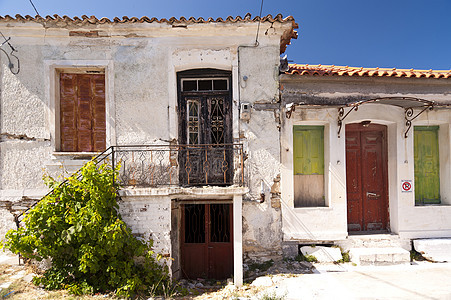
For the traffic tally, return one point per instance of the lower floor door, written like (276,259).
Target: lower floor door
(207,241)
(366,177)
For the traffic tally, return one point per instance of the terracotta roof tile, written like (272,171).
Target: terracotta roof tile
(172,20)
(331,70)
(85,20)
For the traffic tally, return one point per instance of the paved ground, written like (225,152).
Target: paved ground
(422,281)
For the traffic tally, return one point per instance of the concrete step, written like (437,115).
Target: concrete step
(379,256)
(438,250)
(374,241)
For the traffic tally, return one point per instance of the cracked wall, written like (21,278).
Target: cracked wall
(141,66)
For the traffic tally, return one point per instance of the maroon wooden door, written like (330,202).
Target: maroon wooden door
(207,241)
(366,177)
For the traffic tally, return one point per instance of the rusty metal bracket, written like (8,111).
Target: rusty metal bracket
(290,108)
(342,116)
(408,116)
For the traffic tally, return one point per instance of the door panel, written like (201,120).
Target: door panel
(205,125)
(207,241)
(353,181)
(308,158)
(366,175)
(220,245)
(427,165)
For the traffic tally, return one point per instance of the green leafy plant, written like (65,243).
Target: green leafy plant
(308,258)
(415,255)
(92,250)
(345,257)
(272,295)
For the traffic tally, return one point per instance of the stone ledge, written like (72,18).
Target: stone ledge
(438,250)
(379,256)
(192,191)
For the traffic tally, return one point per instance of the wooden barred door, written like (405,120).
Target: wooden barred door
(207,241)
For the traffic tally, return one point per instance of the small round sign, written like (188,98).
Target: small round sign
(406,186)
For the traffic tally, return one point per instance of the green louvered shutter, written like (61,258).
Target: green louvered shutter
(427,165)
(308,166)
(308,150)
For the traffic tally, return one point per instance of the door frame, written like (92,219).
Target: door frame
(386,209)
(208,259)
(205,73)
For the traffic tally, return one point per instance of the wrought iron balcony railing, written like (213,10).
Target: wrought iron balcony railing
(184,165)
(168,165)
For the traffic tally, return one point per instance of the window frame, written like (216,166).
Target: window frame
(52,71)
(84,112)
(324,174)
(436,129)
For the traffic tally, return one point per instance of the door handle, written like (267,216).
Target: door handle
(372,194)
(210,247)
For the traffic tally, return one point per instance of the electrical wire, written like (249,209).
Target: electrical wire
(34,8)
(10,63)
(259,21)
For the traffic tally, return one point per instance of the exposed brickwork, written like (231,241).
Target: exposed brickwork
(149,217)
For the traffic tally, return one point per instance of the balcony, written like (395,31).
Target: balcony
(178,165)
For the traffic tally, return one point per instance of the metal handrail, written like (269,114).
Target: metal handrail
(17,217)
(117,156)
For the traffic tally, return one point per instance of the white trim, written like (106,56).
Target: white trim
(237,240)
(51,68)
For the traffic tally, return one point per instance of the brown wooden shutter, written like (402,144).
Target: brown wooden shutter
(82,100)
(84,121)
(68,112)
(98,106)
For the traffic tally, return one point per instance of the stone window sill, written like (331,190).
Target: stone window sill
(75,155)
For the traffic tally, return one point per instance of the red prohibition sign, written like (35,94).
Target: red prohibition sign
(406,186)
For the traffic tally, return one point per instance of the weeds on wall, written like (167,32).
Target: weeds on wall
(92,250)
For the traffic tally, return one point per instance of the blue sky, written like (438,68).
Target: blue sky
(382,33)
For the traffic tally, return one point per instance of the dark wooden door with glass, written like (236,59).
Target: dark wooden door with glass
(207,241)
(366,177)
(205,127)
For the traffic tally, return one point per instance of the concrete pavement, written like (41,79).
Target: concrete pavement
(421,281)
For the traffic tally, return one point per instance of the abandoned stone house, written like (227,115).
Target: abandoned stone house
(223,160)
(171,102)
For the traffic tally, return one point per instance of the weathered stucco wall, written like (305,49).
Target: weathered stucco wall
(140,62)
(261,222)
(406,219)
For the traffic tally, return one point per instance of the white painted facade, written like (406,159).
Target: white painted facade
(329,223)
(140,61)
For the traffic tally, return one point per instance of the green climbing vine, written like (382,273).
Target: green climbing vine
(79,228)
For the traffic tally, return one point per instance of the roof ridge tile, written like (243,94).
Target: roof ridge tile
(325,70)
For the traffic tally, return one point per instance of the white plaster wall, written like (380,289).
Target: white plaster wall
(406,219)
(310,223)
(431,220)
(262,223)
(141,62)
(149,218)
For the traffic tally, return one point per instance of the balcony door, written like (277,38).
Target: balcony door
(205,127)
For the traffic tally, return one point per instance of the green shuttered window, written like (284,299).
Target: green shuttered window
(427,165)
(308,166)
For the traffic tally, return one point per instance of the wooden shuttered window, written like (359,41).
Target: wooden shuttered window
(82,112)
(426,165)
(308,166)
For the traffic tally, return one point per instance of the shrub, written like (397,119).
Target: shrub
(79,228)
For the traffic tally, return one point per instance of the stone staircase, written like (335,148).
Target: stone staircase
(377,249)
